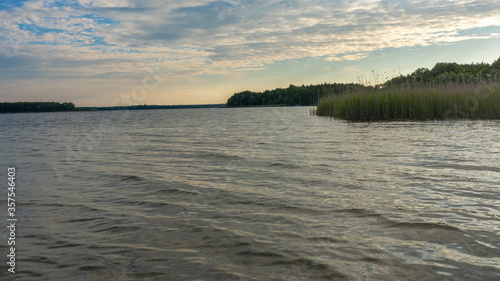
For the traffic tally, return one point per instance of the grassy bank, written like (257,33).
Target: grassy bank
(416,102)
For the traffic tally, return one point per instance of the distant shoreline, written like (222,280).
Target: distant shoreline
(39,107)
(42,106)
(147,107)
(151,107)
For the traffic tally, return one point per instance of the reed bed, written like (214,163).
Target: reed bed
(417,102)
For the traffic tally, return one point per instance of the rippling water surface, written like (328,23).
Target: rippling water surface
(250,194)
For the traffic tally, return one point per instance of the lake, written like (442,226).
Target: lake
(250,194)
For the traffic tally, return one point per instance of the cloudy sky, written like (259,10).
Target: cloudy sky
(118,52)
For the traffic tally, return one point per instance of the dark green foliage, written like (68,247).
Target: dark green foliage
(496,64)
(293,95)
(450,72)
(14,107)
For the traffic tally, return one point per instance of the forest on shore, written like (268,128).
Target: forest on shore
(441,73)
(17,107)
(293,95)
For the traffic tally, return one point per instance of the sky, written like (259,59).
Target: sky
(127,52)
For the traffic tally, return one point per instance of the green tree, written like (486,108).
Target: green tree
(496,64)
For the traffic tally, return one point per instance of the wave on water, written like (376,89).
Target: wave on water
(231,194)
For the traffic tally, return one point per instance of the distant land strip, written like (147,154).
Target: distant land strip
(145,107)
(24,107)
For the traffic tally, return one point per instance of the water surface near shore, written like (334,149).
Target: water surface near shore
(251,194)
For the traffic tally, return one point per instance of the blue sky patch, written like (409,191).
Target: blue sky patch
(9,4)
(37,29)
(100,41)
(99,19)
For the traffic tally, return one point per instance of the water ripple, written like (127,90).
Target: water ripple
(252,194)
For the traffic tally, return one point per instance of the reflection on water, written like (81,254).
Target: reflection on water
(251,194)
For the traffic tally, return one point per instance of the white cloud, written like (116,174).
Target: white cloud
(357,56)
(107,3)
(259,32)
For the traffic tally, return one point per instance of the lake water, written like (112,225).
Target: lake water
(250,194)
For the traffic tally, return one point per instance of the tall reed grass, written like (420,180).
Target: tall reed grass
(415,102)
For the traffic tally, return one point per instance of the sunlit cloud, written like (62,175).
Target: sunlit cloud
(348,57)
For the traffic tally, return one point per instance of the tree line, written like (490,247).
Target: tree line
(446,72)
(293,95)
(16,107)
(441,73)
